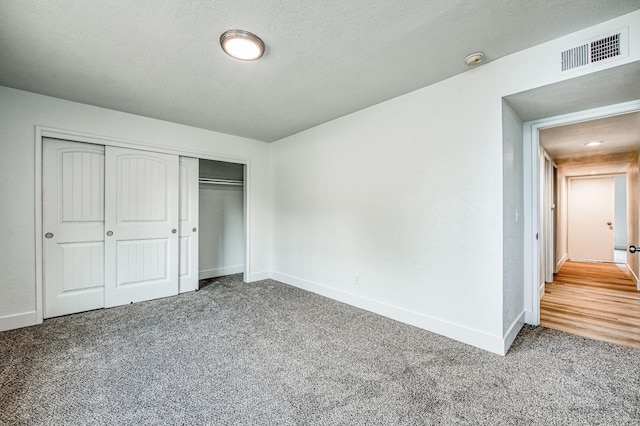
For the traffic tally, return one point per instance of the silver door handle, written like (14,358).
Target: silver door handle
(195,229)
(173,231)
(109,233)
(48,235)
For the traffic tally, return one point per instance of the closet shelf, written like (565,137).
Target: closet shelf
(210,181)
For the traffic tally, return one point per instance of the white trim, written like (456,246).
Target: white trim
(634,276)
(246,206)
(258,276)
(561,262)
(448,329)
(38,227)
(220,272)
(531,225)
(25,319)
(548,157)
(51,132)
(71,135)
(548,246)
(513,331)
(532,194)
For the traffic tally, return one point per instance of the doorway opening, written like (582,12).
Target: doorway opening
(589,200)
(587,206)
(221,213)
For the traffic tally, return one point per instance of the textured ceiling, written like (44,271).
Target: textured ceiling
(324,59)
(620,133)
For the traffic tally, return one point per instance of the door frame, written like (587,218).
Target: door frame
(42,132)
(533,158)
(548,216)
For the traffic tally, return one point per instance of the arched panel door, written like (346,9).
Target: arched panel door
(141,225)
(73,226)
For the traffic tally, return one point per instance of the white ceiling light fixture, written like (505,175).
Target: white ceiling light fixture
(474,59)
(242,45)
(594,143)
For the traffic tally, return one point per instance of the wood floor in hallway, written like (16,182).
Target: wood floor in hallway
(594,300)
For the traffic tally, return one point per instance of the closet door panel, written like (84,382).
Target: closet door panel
(141,221)
(73,222)
(189,201)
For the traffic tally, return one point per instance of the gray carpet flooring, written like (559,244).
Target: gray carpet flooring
(269,354)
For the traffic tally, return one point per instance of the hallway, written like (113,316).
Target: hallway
(594,300)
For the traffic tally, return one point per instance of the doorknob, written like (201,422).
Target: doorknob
(109,233)
(609,223)
(633,249)
(48,235)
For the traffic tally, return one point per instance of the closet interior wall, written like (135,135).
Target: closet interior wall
(221,210)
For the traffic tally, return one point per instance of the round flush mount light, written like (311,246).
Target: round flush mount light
(242,45)
(594,143)
(474,59)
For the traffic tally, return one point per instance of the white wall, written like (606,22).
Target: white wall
(221,250)
(513,224)
(409,195)
(21,111)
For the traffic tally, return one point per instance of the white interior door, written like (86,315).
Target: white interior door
(73,222)
(591,213)
(141,223)
(189,195)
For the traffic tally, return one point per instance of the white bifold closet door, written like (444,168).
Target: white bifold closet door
(141,225)
(189,202)
(73,222)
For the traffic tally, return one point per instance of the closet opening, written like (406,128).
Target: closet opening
(221,245)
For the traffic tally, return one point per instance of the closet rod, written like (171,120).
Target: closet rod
(210,181)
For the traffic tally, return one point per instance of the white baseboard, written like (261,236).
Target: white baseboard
(634,276)
(561,262)
(11,322)
(457,332)
(513,331)
(528,318)
(220,272)
(257,276)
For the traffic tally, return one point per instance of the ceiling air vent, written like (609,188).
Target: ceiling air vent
(598,50)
